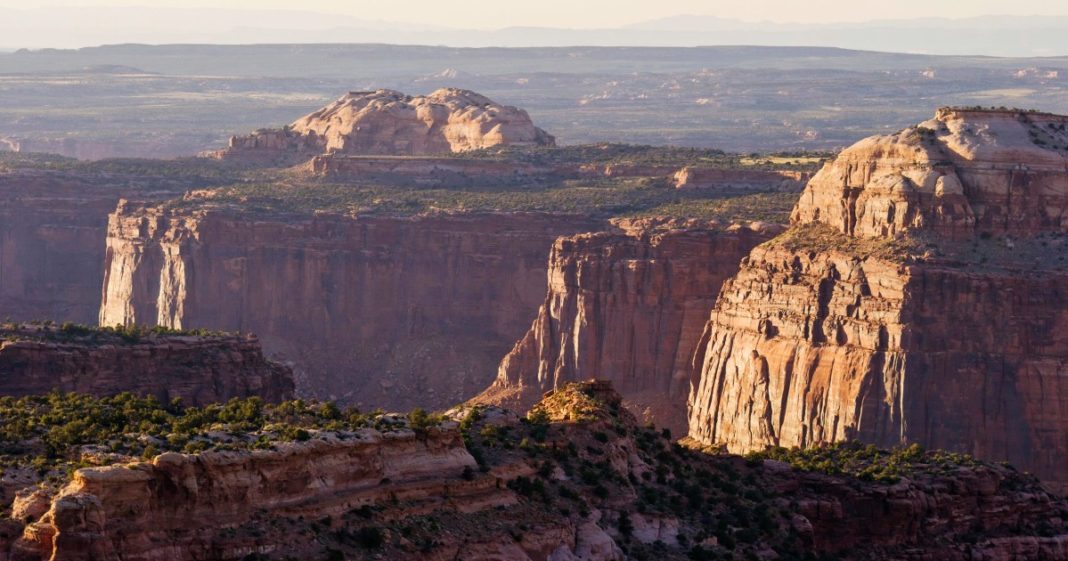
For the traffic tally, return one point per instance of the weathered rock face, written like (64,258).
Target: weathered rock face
(805,350)
(919,520)
(185,507)
(386,122)
(199,370)
(52,232)
(423,496)
(818,339)
(962,173)
(51,245)
(628,307)
(397,312)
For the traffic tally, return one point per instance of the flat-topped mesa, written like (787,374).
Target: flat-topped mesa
(387,122)
(199,369)
(963,173)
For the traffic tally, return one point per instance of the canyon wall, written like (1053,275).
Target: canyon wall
(52,231)
(892,314)
(626,306)
(35,360)
(397,312)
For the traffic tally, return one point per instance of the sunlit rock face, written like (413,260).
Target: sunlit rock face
(918,299)
(387,122)
(963,173)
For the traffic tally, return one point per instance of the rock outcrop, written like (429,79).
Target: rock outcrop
(399,312)
(581,486)
(386,122)
(197,369)
(895,312)
(185,507)
(627,306)
(963,173)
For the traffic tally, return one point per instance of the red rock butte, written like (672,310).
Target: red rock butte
(965,172)
(387,122)
(840,329)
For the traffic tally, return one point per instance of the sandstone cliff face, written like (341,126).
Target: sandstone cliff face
(812,343)
(51,245)
(421,495)
(186,507)
(628,307)
(957,175)
(199,370)
(919,520)
(52,231)
(386,122)
(397,312)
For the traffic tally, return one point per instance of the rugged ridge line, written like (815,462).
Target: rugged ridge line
(415,493)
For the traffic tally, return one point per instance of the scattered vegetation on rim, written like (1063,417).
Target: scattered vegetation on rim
(819,238)
(643,155)
(91,334)
(57,432)
(866,462)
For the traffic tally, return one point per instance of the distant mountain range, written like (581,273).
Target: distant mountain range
(66,28)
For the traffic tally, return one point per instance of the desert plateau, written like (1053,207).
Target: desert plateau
(285,283)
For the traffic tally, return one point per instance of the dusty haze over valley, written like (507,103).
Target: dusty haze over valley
(547,282)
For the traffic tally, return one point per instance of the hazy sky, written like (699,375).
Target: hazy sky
(603,13)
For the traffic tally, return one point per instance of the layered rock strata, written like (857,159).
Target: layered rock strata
(52,230)
(402,494)
(186,507)
(197,369)
(963,173)
(386,122)
(626,306)
(394,311)
(893,314)
(53,224)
